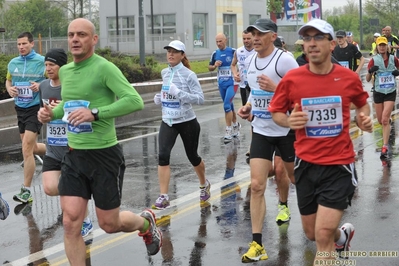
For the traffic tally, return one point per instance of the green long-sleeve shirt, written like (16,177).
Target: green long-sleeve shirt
(103,85)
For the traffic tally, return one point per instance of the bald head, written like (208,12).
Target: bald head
(221,41)
(82,39)
(85,23)
(388,30)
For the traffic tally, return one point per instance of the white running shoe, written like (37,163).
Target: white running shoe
(236,130)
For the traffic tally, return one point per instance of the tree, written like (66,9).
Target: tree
(274,6)
(387,11)
(79,8)
(36,16)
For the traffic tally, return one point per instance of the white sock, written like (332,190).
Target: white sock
(87,220)
(28,188)
(204,185)
(165,196)
(228,128)
(235,124)
(342,238)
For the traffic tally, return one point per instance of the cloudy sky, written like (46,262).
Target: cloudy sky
(330,4)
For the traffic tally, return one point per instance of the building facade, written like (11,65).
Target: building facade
(194,22)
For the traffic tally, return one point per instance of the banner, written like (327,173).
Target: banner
(297,12)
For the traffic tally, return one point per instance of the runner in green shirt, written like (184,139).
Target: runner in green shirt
(94,165)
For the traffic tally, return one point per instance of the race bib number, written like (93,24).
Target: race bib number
(345,64)
(25,94)
(224,72)
(171,107)
(386,80)
(260,103)
(57,133)
(71,106)
(325,116)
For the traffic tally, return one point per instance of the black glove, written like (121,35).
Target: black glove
(395,72)
(373,69)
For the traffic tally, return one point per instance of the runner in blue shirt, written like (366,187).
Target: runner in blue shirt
(221,59)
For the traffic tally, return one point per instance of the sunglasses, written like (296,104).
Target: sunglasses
(317,38)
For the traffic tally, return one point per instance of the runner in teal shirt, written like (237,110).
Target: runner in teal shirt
(24,73)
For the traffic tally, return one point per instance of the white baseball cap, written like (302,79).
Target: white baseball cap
(377,34)
(320,25)
(177,45)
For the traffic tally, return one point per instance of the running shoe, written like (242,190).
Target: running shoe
(24,196)
(24,208)
(236,130)
(384,152)
(349,231)
(153,237)
(284,214)
(229,136)
(255,253)
(4,208)
(161,203)
(205,192)
(87,228)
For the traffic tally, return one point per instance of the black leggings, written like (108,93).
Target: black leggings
(189,132)
(245,94)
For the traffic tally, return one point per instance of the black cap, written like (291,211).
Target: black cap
(340,33)
(277,43)
(57,56)
(263,25)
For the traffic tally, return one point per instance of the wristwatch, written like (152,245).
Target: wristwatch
(94,112)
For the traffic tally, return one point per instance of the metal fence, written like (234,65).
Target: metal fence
(41,46)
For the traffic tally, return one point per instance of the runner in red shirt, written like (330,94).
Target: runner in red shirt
(320,94)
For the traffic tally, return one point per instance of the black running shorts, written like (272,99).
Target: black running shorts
(331,186)
(98,173)
(27,119)
(50,164)
(263,147)
(381,97)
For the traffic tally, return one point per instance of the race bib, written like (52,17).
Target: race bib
(25,94)
(57,133)
(71,106)
(260,103)
(325,116)
(345,64)
(386,80)
(224,72)
(171,107)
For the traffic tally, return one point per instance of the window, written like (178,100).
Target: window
(230,29)
(253,18)
(200,25)
(164,26)
(126,29)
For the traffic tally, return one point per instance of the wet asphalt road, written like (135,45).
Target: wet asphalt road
(217,234)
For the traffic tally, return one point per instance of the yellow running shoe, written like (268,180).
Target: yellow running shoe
(254,253)
(284,214)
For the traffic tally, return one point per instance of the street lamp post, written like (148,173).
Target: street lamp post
(296,13)
(3,30)
(117,25)
(361,24)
